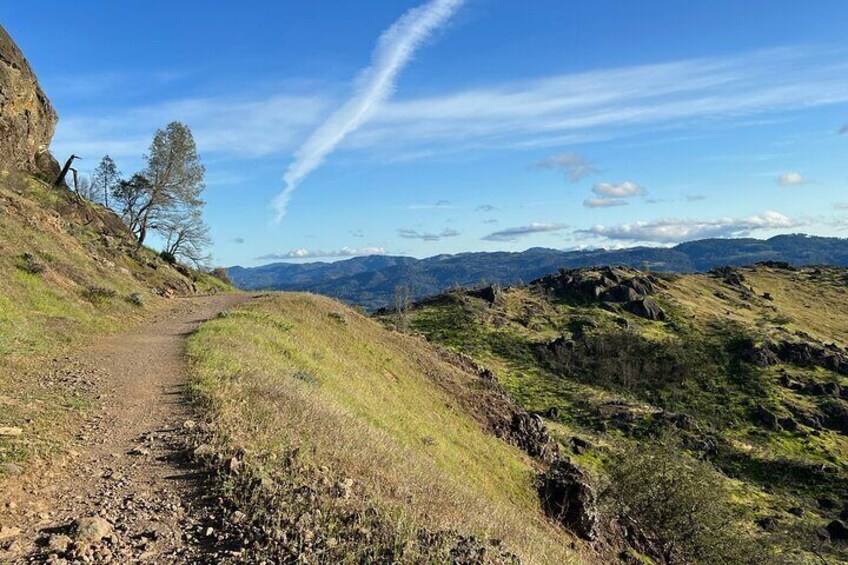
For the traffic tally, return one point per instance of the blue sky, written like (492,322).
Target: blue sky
(509,125)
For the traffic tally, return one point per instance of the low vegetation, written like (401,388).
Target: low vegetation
(349,449)
(744,366)
(68,274)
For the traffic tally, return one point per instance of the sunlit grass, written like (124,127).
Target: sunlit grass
(304,370)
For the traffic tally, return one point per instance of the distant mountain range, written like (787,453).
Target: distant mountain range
(370,281)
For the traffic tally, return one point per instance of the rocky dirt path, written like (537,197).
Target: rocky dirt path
(125,492)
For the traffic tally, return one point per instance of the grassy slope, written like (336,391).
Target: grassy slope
(363,402)
(44,315)
(770,469)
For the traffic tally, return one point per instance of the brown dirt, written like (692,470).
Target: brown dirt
(127,465)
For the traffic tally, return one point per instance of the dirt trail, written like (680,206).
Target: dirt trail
(126,466)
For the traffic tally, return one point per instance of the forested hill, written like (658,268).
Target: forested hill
(371,281)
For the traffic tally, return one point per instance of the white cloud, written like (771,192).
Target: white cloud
(792,179)
(512,234)
(409,233)
(574,166)
(374,86)
(604,202)
(674,230)
(624,189)
(303,253)
(841,205)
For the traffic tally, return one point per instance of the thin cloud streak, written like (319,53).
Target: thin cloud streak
(612,102)
(604,202)
(374,86)
(409,233)
(512,234)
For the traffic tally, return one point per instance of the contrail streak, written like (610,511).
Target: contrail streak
(373,86)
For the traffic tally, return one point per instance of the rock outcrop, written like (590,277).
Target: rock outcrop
(27,119)
(568,497)
(620,285)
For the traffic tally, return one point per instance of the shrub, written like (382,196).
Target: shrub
(625,360)
(168,257)
(98,293)
(680,506)
(222,275)
(136,299)
(31,265)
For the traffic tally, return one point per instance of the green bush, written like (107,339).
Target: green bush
(679,506)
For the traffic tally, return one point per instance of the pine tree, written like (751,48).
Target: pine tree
(106,178)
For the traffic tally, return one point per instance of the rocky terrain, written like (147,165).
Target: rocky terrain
(27,119)
(739,371)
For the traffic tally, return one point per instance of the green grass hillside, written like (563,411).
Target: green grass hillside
(68,273)
(310,396)
(742,374)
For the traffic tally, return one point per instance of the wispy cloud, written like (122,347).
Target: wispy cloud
(303,253)
(409,233)
(610,103)
(841,205)
(792,179)
(695,197)
(556,110)
(486,208)
(843,130)
(624,189)
(512,234)
(572,165)
(374,86)
(222,126)
(238,240)
(675,230)
(604,202)
(438,205)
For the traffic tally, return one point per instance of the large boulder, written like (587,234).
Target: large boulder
(647,308)
(568,497)
(27,119)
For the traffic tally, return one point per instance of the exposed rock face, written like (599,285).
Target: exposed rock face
(730,276)
(569,498)
(27,119)
(647,308)
(836,414)
(608,284)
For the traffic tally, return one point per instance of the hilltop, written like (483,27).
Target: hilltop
(741,372)
(371,281)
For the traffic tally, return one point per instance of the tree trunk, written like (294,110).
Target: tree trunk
(60,180)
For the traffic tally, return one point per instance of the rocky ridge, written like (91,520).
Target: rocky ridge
(27,118)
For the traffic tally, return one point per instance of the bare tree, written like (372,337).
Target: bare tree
(403,301)
(86,188)
(186,237)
